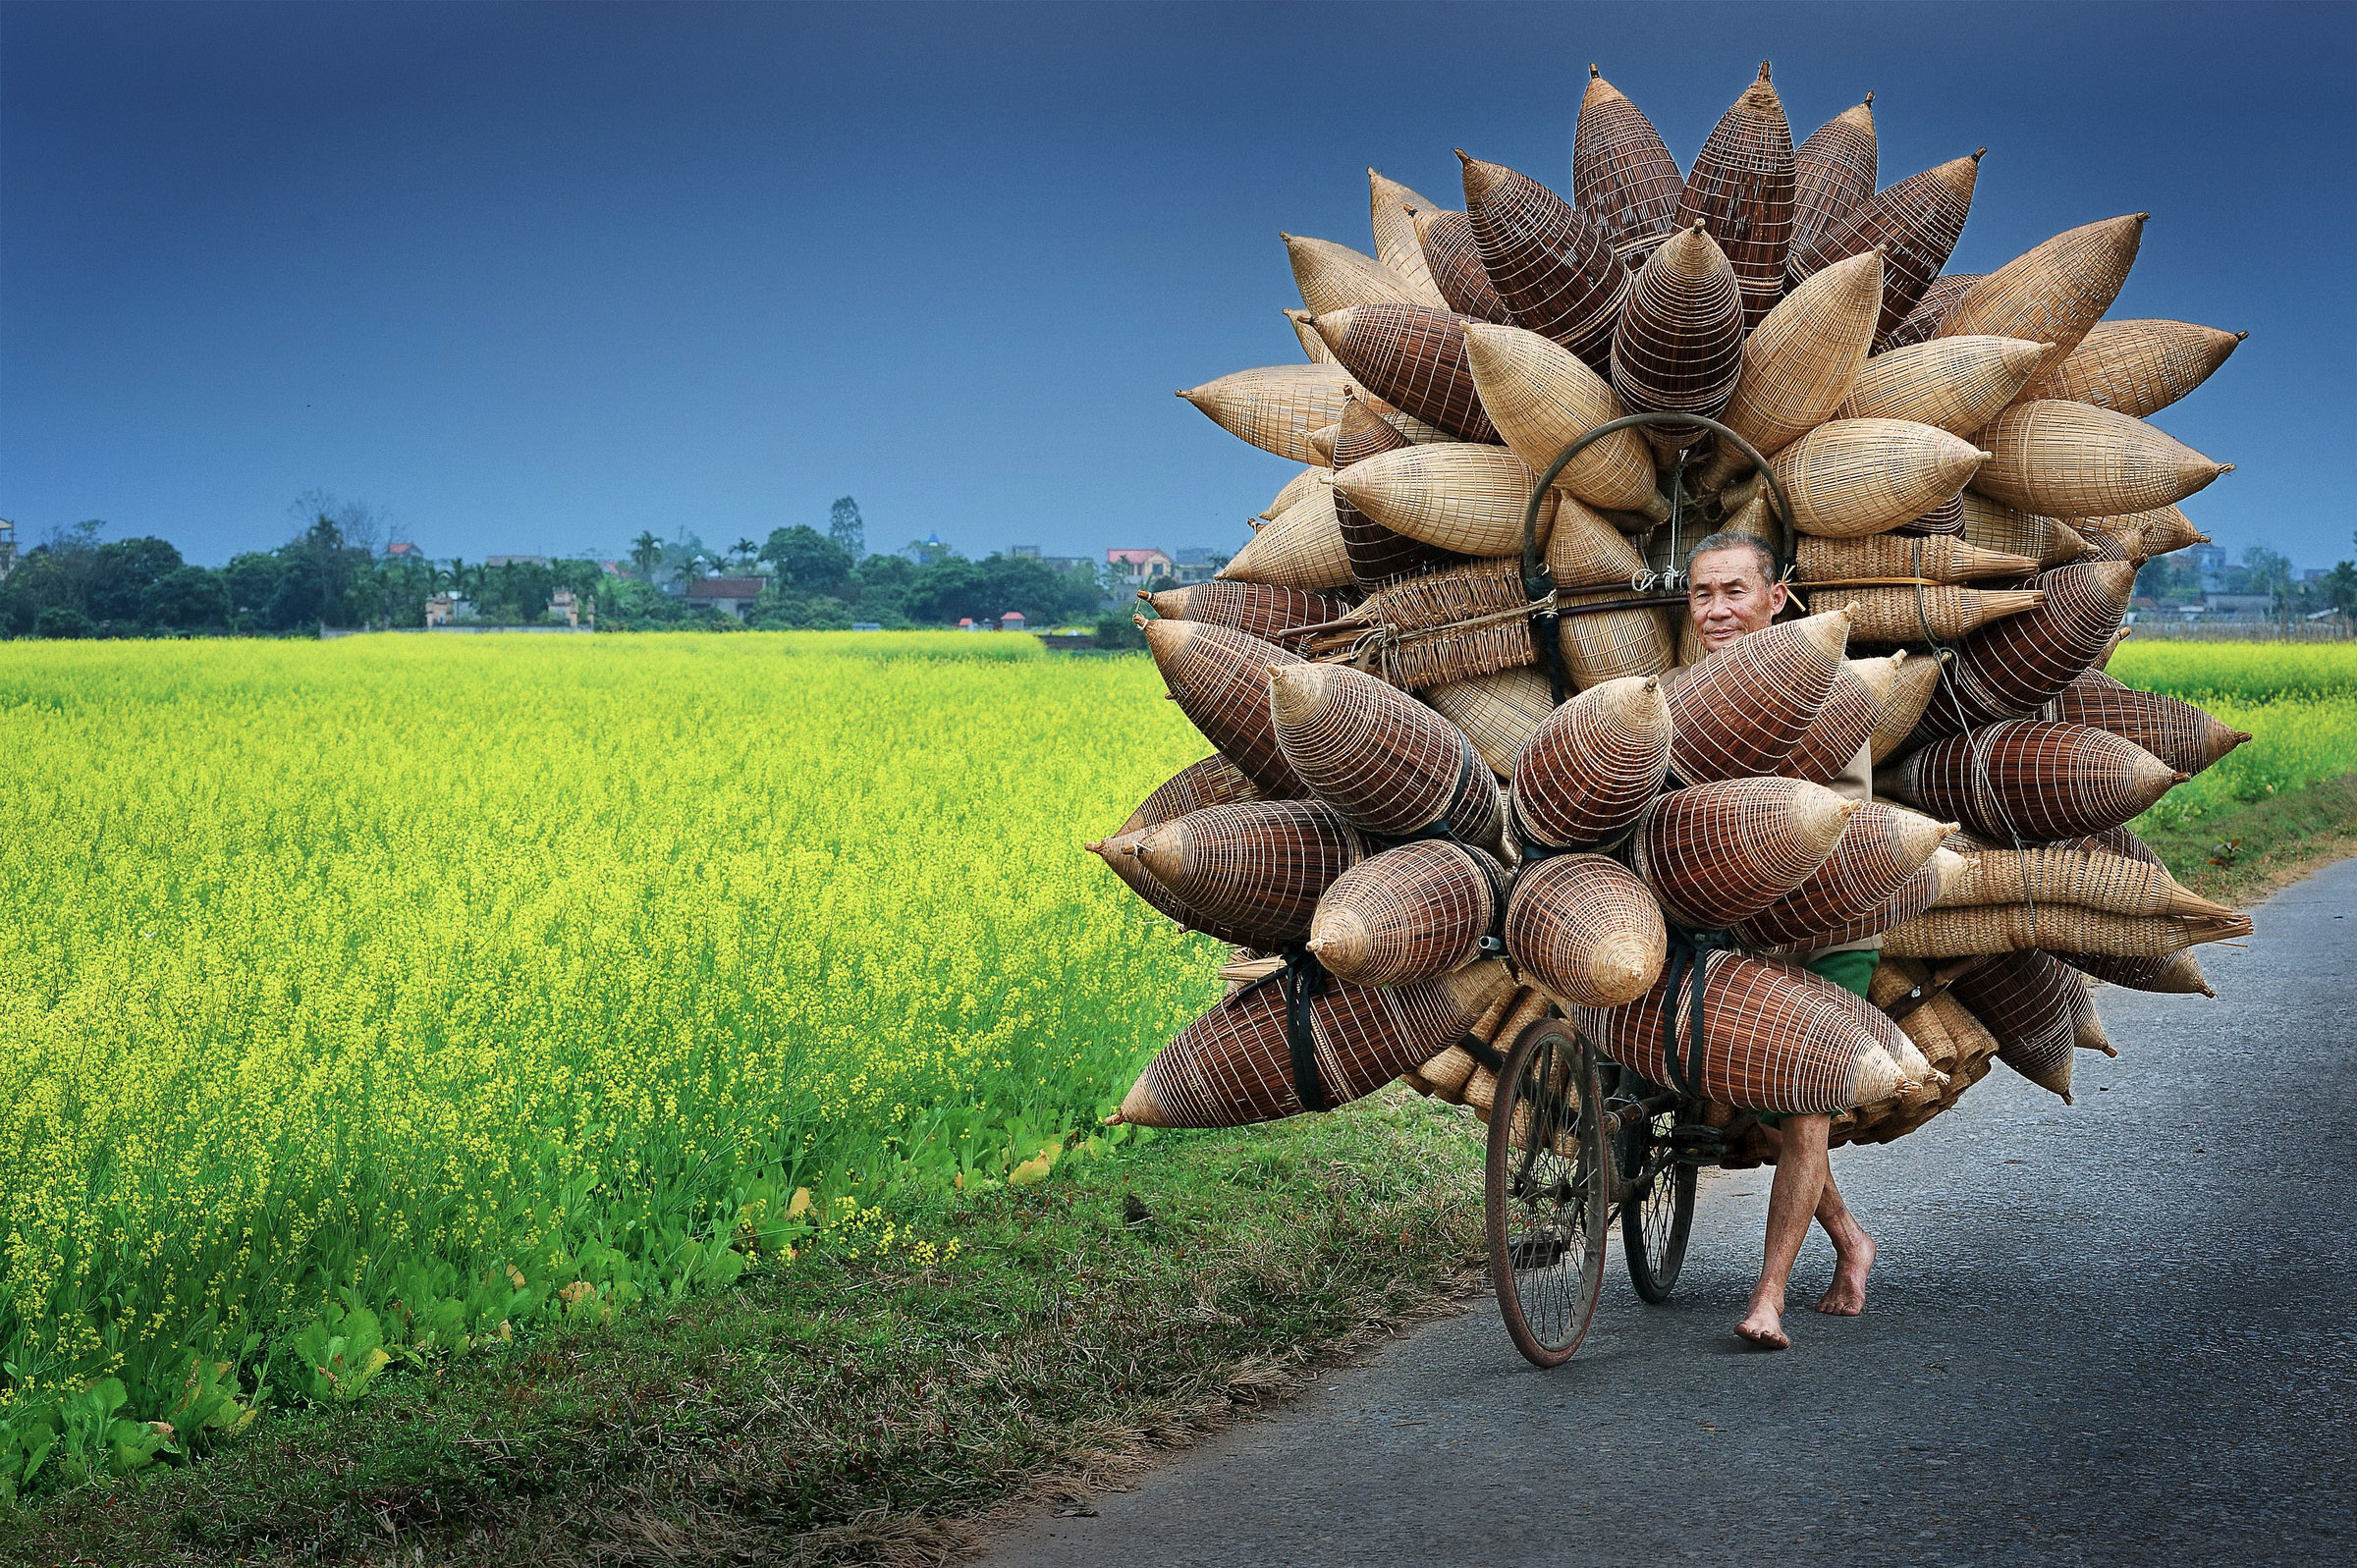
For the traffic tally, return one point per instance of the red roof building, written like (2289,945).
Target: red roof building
(1139,565)
(736,595)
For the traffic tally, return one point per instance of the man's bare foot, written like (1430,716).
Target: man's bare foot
(1763,1329)
(1846,1296)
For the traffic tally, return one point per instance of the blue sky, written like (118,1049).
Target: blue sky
(538,278)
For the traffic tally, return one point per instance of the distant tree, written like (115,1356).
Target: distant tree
(1118,630)
(742,554)
(2267,572)
(2340,586)
(847,528)
(252,581)
(646,552)
(807,559)
(185,599)
(123,570)
(63,621)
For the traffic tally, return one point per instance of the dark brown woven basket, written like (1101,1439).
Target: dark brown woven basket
(1833,173)
(1914,895)
(1384,760)
(1552,264)
(1411,913)
(1917,222)
(1716,853)
(1119,854)
(1220,679)
(2032,1003)
(1774,1038)
(2179,734)
(1586,930)
(1212,781)
(1454,258)
(2016,664)
(1258,867)
(1742,187)
(1879,853)
(2175,974)
(1622,172)
(2031,779)
(1378,556)
(1255,609)
(1592,765)
(1413,358)
(1233,1065)
(1679,346)
(1940,296)
(1835,737)
(1742,711)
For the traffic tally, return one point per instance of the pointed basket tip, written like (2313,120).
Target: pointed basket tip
(1869,97)
(1980,154)
(1139,1107)
(1594,75)
(2241,337)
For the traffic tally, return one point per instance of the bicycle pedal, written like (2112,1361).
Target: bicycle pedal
(1536,1252)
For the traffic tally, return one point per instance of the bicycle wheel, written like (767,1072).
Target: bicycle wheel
(1657,1214)
(1547,1192)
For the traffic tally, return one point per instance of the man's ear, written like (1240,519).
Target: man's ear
(1777,598)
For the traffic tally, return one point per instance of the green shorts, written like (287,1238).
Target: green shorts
(1853,971)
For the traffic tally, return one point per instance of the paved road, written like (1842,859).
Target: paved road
(2120,1332)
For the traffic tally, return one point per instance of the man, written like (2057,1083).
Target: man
(1733,588)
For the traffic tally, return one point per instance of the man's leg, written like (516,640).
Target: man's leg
(1801,1171)
(1853,1248)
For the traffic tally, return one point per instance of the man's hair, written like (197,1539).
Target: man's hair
(1730,539)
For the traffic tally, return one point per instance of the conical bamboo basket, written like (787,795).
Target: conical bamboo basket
(1912,687)
(1119,854)
(1922,614)
(1842,727)
(2177,974)
(1313,347)
(1942,295)
(2033,778)
(2145,534)
(1741,188)
(1877,852)
(1801,360)
(1212,781)
(2073,460)
(1916,221)
(1851,477)
(2015,666)
(1454,495)
(1993,525)
(1591,766)
(1774,1038)
(1454,260)
(2092,879)
(1679,345)
(1294,489)
(1220,679)
(1613,644)
(1254,608)
(1716,853)
(2055,292)
(1256,867)
(1378,556)
(1917,893)
(1584,551)
(1388,764)
(1552,264)
(2136,367)
(1497,712)
(1233,1066)
(2031,1003)
(1941,558)
(1541,398)
(1742,711)
(1274,408)
(1411,913)
(1397,246)
(1947,517)
(1623,173)
(1430,630)
(1413,358)
(1958,384)
(1833,175)
(1301,547)
(1586,931)
(1332,276)
(1322,440)
(2178,732)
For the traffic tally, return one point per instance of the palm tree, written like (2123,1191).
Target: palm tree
(741,553)
(646,551)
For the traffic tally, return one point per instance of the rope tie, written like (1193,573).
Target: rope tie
(1688,952)
(1303,979)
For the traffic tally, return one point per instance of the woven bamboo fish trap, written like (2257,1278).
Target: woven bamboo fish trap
(1397,247)
(2178,732)
(1879,852)
(1233,1065)
(2030,779)
(1913,684)
(2031,1003)
(1942,295)
(1716,853)
(1612,644)
(1833,175)
(1586,931)
(1552,264)
(1413,358)
(1322,442)
(1774,1038)
(1388,764)
(1842,727)
(2073,460)
(1592,766)
(1212,781)
(1935,559)
(1455,1074)
(2145,534)
(2092,879)
(2136,367)
(1378,556)
(1313,347)
(1993,525)
(1583,550)
(1411,913)
(1918,892)
(1497,712)
(2013,667)
(1300,548)
(1274,408)
(1542,398)
(1454,260)
(1851,477)
(1679,345)
(1925,614)
(1431,631)
(1622,172)
(1742,187)
(1916,221)
(1119,854)
(1256,867)
(1334,277)
(1254,608)
(2109,545)
(1454,495)
(1958,384)
(1742,711)
(1947,517)
(1802,361)
(2055,292)
(1220,678)
(2177,974)
(1294,489)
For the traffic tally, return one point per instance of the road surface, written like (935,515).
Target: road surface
(2124,1331)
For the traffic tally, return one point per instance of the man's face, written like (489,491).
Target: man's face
(1730,595)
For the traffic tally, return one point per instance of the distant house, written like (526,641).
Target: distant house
(565,606)
(1023,552)
(1011,620)
(2239,604)
(927,551)
(403,550)
(443,608)
(1197,566)
(736,595)
(1138,565)
(966,623)
(614,568)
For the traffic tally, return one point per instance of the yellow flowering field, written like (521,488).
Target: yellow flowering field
(372,996)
